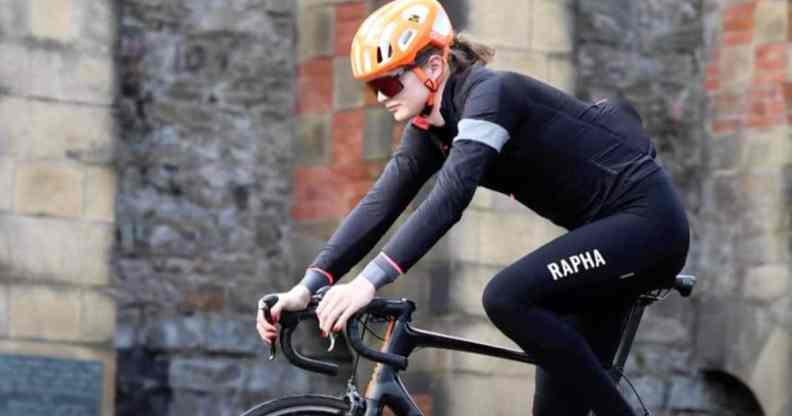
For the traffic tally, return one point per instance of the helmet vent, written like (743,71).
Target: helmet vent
(388,53)
(405,39)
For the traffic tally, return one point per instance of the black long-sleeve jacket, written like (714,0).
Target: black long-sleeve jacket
(567,160)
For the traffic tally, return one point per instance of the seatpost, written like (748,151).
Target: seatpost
(627,338)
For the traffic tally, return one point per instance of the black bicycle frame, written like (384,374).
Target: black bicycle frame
(386,387)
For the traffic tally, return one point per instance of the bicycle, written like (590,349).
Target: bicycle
(401,339)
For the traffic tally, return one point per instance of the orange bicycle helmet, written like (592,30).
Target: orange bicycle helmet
(393,36)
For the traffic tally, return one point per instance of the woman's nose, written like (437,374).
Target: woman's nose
(381,97)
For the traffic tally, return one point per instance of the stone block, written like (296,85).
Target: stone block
(466,286)
(4,311)
(767,282)
(97,317)
(347,91)
(762,249)
(15,125)
(506,237)
(6,184)
(53,20)
(507,203)
(105,356)
(562,74)
(490,21)
(772,373)
(100,194)
(55,249)
(377,134)
(531,63)
(464,238)
(483,198)
(771,21)
(227,334)
(553,26)
(313,139)
(14,22)
(48,189)
(69,75)
(736,65)
(15,73)
(61,131)
(315,86)
(98,26)
(315,31)
(44,313)
(767,148)
(472,394)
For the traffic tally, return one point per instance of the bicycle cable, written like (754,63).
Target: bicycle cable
(646,411)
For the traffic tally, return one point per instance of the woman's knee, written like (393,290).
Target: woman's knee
(500,299)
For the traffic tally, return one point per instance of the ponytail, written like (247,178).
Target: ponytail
(463,53)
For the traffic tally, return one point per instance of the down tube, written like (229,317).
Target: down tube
(389,390)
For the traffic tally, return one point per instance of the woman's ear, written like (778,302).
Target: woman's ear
(435,67)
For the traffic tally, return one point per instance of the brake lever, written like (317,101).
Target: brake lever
(332,341)
(265,304)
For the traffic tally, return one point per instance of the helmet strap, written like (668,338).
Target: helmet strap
(432,85)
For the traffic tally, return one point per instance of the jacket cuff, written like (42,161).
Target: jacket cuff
(315,279)
(381,271)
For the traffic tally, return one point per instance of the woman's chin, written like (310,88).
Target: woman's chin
(401,115)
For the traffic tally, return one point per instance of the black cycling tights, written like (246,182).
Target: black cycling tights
(566,301)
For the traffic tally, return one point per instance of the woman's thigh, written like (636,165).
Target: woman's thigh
(612,258)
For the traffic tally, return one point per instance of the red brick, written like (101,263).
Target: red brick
(737,38)
(355,191)
(789,26)
(771,56)
(317,195)
(347,136)
(725,125)
(739,17)
(787,91)
(767,107)
(712,85)
(315,86)
(360,170)
(204,299)
(349,16)
(727,104)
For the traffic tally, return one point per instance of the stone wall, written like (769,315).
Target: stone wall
(205,156)
(57,192)
(709,79)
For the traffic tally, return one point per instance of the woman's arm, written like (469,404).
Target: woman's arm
(416,160)
(483,131)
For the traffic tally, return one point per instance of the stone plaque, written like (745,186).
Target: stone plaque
(46,386)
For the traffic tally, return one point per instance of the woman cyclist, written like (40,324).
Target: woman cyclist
(589,168)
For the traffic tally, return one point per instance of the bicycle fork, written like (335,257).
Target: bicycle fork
(386,388)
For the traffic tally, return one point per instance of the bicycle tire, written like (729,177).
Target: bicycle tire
(304,405)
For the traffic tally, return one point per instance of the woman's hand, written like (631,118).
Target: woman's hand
(296,299)
(341,302)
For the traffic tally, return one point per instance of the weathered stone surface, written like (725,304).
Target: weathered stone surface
(46,249)
(206,147)
(30,304)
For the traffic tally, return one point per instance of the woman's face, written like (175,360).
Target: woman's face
(410,101)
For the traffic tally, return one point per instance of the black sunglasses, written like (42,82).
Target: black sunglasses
(389,85)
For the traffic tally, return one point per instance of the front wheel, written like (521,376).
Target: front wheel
(306,405)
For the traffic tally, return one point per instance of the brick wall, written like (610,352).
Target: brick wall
(57,185)
(746,256)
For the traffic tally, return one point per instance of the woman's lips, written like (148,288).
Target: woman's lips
(392,108)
